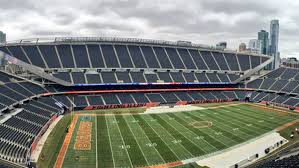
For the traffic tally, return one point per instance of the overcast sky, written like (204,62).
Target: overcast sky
(199,21)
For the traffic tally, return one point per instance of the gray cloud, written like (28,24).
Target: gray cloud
(200,21)
(236,6)
(16,4)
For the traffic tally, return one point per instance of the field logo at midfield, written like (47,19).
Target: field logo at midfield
(201,124)
(83,138)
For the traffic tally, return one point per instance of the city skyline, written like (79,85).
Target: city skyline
(199,21)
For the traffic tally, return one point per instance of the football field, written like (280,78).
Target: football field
(142,140)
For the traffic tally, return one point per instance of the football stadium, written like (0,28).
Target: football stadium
(125,102)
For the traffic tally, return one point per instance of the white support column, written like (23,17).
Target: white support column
(73,56)
(170,76)
(207,77)
(235,94)
(43,58)
(189,96)
(144,77)
(115,76)
(73,104)
(161,97)
(87,101)
(103,99)
(168,57)
(177,97)
(100,75)
(226,62)
(201,95)
(116,55)
(85,78)
(272,84)
(146,97)
(240,69)
(130,76)
(218,77)
(25,54)
(133,98)
(143,57)
(285,85)
(156,57)
(88,56)
(103,56)
(133,63)
(58,55)
(118,99)
(250,61)
(261,84)
(183,76)
(215,61)
(180,57)
(203,60)
(192,59)
(71,76)
(228,77)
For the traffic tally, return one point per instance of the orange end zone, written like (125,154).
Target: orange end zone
(66,143)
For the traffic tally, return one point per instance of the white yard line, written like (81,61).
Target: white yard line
(137,143)
(182,135)
(221,135)
(162,139)
(241,123)
(197,135)
(267,115)
(148,139)
(172,137)
(269,127)
(123,141)
(183,127)
(110,141)
(209,134)
(228,128)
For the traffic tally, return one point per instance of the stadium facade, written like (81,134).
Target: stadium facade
(45,78)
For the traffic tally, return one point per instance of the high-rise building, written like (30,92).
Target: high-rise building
(242,47)
(221,45)
(2,37)
(274,35)
(263,36)
(255,46)
(2,40)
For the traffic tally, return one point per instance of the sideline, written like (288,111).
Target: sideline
(276,109)
(124,114)
(66,143)
(36,153)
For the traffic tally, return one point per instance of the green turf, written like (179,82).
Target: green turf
(76,158)
(53,143)
(151,139)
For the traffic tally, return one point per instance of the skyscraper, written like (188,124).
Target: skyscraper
(274,35)
(263,36)
(254,45)
(2,40)
(2,37)
(242,47)
(221,45)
